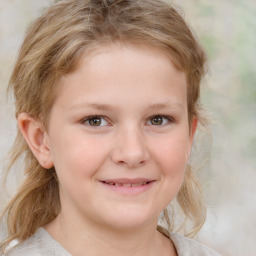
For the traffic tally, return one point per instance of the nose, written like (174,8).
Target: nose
(130,149)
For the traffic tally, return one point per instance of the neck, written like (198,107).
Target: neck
(98,240)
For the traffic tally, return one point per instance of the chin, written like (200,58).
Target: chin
(131,219)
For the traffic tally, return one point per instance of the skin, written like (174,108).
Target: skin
(142,131)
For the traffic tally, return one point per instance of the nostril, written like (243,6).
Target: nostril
(131,163)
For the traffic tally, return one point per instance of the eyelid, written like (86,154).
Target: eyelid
(85,119)
(170,119)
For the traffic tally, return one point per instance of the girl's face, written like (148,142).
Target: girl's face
(119,136)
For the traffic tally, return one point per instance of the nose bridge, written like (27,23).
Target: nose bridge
(131,147)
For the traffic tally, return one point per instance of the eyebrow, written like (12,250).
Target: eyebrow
(94,106)
(109,107)
(164,106)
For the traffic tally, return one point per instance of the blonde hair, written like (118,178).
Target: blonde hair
(52,47)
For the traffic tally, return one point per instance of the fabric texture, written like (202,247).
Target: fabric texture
(42,244)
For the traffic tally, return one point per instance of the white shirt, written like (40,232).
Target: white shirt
(42,244)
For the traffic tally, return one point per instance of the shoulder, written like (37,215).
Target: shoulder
(39,244)
(189,247)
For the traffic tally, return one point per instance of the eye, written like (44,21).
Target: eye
(95,121)
(159,120)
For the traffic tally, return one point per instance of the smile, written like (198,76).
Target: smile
(128,186)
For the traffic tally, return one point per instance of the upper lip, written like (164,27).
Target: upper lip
(127,181)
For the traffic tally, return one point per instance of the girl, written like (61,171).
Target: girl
(107,102)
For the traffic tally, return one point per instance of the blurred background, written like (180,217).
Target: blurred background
(227,30)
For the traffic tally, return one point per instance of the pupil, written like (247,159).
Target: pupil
(157,120)
(95,121)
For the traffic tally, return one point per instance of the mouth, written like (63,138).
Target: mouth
(128,186)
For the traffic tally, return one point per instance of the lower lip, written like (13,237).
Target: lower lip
(129,190)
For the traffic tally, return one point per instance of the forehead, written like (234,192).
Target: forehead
(119,70)
(126,54)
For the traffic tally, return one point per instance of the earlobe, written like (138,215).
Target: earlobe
(36,138)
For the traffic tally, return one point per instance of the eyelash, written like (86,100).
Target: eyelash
(87,119)
(168,118)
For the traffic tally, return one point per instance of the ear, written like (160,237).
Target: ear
(192,131)
(193,128)
(36,138)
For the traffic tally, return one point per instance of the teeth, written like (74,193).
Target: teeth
(127,184)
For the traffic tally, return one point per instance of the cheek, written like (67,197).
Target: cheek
(173,167)
(78,157)
(173,154)
(172,161)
